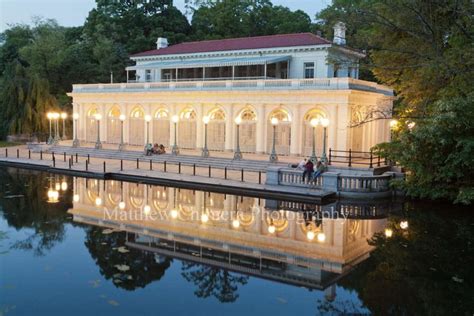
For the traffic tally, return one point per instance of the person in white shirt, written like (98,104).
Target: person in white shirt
(301,164)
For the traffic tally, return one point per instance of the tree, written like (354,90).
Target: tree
(236,18)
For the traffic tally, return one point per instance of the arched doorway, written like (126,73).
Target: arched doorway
(282,132)
(356,132)
(216,130)
(308,133)
(91,125)
(187,129)
(137,127)
(248,130)
(161,127)
(113,125)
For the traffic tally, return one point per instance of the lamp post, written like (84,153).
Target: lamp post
(147,120)
(98,144)
(56,134)
(175,149)
(75,142)
(122,118)
(64,117)
(238,153)
(314,122)
(325,124)
(49,115)
(205,151)
(273,155)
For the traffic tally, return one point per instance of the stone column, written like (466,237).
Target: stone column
(296,140)
(199,126)
(103,123)
(229,130)
(150,125)
(261,124)
(126,123)
(332,131)
(342,132)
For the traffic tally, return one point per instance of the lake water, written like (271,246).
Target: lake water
(75,246)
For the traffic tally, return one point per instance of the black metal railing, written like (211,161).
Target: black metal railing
(355,157)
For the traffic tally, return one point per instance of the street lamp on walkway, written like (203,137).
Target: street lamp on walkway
(122,119)
(325,124)
(273,155)
(238,153)
(75,142)
(175,149)
(64,117)
(147,120)
(314,122)
(98,144)
(49,115)
(56,138)
(205,151)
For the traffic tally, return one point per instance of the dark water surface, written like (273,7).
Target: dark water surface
(74,246)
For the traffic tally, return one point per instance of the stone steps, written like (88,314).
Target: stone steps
(215,162)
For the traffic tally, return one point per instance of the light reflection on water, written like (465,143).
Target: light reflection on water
(126,248)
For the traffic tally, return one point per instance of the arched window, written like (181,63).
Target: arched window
(161,127)
(137,127)
(248,130)
(91,125)
(187,129)
(113,125)
(216,130)
(356,132)
(282,132)
(308,133)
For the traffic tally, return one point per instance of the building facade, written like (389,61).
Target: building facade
(293,78)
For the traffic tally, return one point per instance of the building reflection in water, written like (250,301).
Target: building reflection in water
(295,243)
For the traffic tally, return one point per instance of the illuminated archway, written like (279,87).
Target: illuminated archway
(187,129)
(137,127)
(113,125)
(248,130)
(282,132)
(91,124)
(308,132)
(161,127)
(216,130)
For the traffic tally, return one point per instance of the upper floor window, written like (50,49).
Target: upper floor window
(308,70)
(148,75)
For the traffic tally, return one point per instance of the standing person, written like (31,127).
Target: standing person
(308,169)
(320,167)
(301,164)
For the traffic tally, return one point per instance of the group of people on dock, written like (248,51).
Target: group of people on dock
(154,149)
(311,171)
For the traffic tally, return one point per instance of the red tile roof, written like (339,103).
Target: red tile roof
(269,41)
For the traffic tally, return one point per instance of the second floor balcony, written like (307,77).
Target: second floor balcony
(223,85)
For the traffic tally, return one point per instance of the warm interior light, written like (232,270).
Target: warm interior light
(57,186)
(174,213)
(49,115)
(148,117)
(121,205)
(75,116)
(75,198)
(325,122)
(98,116)
(321,237)
(63,186)
(175,118)
(274,121)
(235,223)
(146,209)
(98,201)
(404,224)
(204,218)
(64,115)
(271,229)
(388,232)
(310,235)
(238,120)
(53,196)
(122,117)
(314,122)
(206,119)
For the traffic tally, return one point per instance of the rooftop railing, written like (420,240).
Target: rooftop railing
(259,84)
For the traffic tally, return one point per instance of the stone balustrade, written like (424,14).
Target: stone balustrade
(344,185)
(260,84)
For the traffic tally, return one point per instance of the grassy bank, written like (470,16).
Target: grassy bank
(4,143)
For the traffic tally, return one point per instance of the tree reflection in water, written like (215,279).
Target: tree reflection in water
(23,197)
(144,267)
(212,281)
